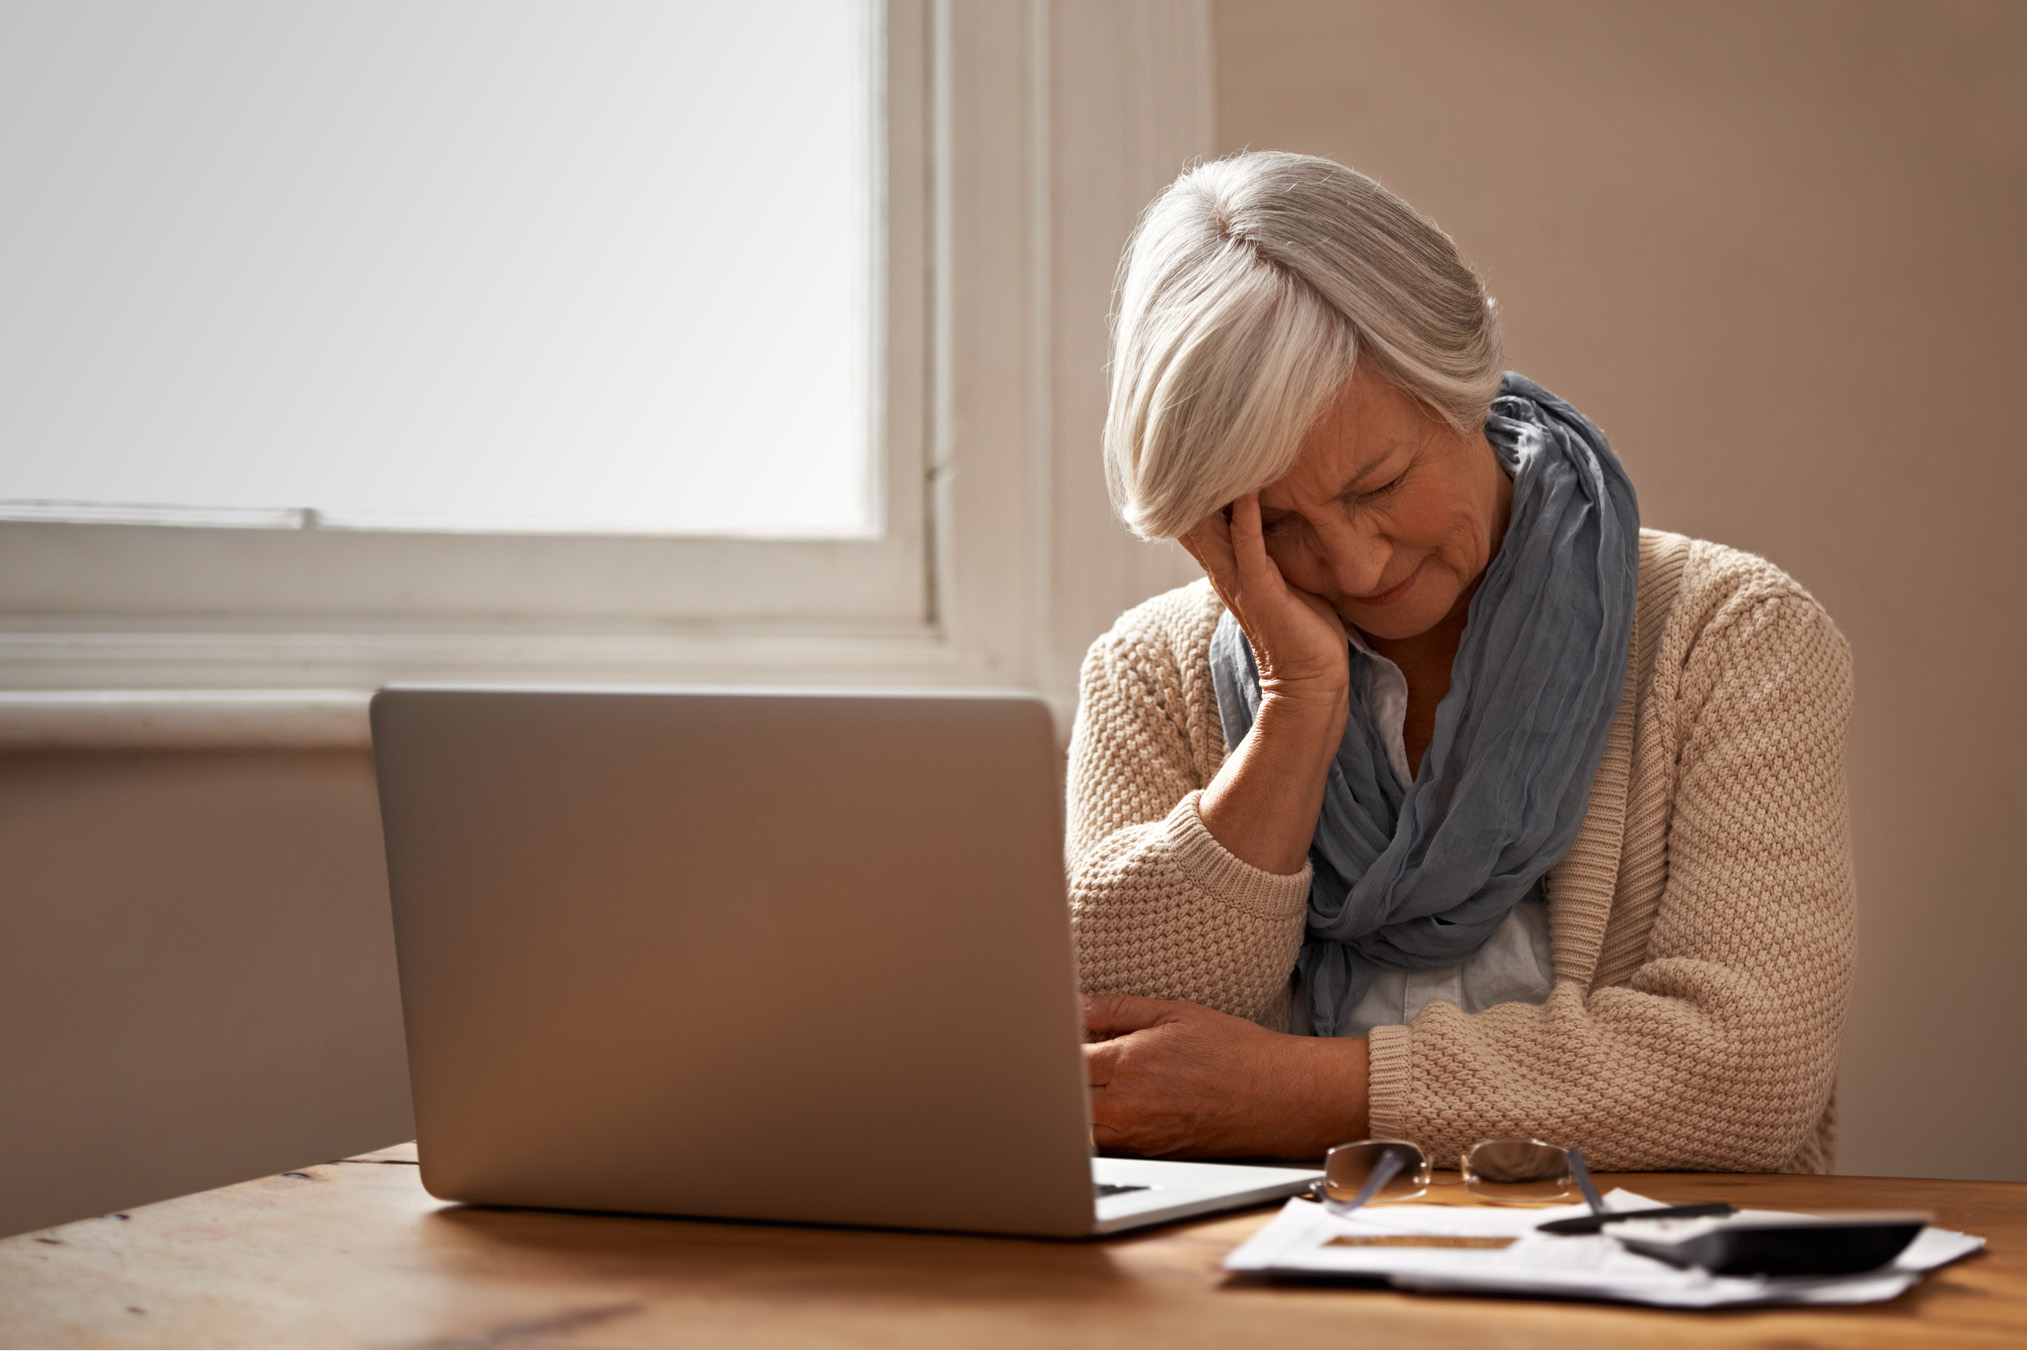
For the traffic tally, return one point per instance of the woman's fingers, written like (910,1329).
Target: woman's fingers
(1212,550)
(1252,577)
(1102,1061)
(1215,546)
(1117,1113)
(1297,638)
(1109,1015)
(1210,544)
(1161,1084)
(1249,545)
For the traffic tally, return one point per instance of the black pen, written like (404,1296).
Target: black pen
(1592,1224)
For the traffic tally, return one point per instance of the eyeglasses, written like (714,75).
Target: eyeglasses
(1507,1172)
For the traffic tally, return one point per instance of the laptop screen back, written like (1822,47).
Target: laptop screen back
(766,956)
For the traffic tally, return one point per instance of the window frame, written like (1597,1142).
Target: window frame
(1019,144)
(282,567)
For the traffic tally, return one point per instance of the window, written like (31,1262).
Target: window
(323,263)
(494,176)
(439,267)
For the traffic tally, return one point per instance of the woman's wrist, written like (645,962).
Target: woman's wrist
(1262,804)
(1298,732)
(1320,708)
(1330,1108)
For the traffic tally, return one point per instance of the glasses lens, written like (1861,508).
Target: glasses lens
(1517,1170)
(1349,1170)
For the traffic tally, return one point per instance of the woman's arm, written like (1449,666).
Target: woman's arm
(1195,893)
(1720,1050)
(1183,887)
(1159,907)
(1179,1079)
(1264,801)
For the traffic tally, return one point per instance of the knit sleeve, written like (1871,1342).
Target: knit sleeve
(1719,1051)
(1159,907)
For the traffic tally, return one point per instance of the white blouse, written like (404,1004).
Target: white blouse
(1516,965)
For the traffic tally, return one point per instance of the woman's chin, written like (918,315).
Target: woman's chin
(1409,617)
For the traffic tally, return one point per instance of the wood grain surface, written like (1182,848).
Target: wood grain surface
(356,1254)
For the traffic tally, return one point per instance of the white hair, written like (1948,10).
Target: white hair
(1251,289)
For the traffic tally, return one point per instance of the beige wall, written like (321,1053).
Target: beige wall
(1779,253)
(196,975)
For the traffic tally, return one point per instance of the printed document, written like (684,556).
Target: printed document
(1495,1250)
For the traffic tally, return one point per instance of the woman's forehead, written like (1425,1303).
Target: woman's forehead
(1358,435)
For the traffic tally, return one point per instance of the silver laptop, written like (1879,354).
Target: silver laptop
(756,956)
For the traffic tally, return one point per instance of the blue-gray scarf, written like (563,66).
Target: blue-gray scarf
(1419,875)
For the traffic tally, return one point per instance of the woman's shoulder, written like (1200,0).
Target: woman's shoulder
(1704,573)
(1694,592)
(1150,675)
(1171,630)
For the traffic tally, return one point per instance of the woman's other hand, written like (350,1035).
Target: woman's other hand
(1262,804)
(1178,1079)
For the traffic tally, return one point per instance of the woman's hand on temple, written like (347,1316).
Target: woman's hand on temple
(1297,639)
(1178,1079)
(1262,804)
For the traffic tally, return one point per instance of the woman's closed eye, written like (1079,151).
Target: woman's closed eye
(1361,496)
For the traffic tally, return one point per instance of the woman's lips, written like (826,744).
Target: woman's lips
(1394,592)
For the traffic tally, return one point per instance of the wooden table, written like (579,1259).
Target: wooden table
(357,1254)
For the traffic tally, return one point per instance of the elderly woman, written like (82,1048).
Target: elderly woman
(1453,805)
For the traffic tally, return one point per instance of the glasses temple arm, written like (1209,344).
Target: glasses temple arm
(1383,1172)
(1584,1183)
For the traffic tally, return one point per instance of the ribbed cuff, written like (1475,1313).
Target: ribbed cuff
(1226,877)
(1386,1088)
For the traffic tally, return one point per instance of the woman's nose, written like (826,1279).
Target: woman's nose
(1357,560)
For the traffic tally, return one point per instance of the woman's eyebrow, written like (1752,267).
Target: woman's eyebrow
(1367,470)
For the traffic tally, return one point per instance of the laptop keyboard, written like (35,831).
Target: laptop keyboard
(1101,1189)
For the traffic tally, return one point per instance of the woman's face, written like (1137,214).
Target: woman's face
(1389,514)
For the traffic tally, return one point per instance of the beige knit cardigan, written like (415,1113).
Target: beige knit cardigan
(1704,923)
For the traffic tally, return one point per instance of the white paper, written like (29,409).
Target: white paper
(1298,1242)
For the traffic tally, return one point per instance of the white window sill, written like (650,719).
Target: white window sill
(237,720)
